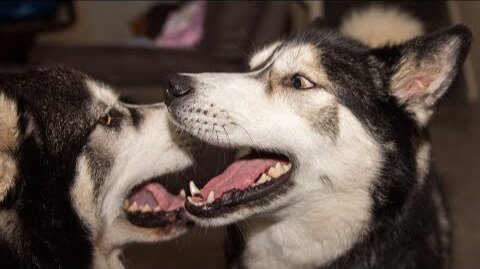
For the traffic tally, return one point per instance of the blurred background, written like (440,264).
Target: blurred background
(133,44)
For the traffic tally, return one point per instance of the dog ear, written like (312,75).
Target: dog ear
(8,144)
(423,69)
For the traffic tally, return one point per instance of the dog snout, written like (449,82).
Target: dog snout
(177,86)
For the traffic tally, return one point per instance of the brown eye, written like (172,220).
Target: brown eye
(106,120)
(300,83)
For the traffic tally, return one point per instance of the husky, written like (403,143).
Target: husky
(339,171)
(81,172)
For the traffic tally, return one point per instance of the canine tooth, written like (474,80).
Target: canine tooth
(211,197)
(157,209)
(133,208)
(146,209)
(194,189)
(182,193)
(126,204)
(263,178)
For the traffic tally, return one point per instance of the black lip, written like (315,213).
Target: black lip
(159,219)
(238,199)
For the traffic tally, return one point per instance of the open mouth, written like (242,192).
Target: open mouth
(253,179)
(151,205)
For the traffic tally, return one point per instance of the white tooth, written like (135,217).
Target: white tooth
(194,191)
(211,197)
(157,209)
(146,209)
(278,167)
(182,193)
(275,171)
(271,171)
(263,178)
(133,207)
(286,167)
(126,204)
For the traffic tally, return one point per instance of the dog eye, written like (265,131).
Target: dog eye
(300,83)
(106,120)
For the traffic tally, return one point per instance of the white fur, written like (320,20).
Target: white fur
(8,124)
(138,155)
(423,161)
(327,220)
(102,92)
(8,171)
(263,54)
(378,26)
(8,143)
(328,216)
(82,196)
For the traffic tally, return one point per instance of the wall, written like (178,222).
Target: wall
(100,22)
(468,12)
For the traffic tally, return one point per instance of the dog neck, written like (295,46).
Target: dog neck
(310,234)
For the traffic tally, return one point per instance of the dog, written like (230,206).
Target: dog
(339,171)
(82,174)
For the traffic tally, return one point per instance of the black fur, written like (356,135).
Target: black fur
(51,235)
(404,231)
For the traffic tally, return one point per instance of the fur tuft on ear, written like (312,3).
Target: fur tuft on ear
(425,68)
(8,143)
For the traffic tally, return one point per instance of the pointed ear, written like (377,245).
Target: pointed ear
(423,69)
(8,145)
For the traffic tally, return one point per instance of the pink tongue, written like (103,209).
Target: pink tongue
(239,175)
(155,195)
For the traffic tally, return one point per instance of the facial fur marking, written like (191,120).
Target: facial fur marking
(137,117)
(102,92)
(263,57)
(100,165)
(327,121)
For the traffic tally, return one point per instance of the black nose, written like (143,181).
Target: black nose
(177,86)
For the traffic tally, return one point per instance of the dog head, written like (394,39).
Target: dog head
(325,117)
(81,173)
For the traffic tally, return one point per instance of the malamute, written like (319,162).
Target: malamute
(79,172)
(339,173)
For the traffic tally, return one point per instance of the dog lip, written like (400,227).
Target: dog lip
(159,219)
(158,215)
(237,199)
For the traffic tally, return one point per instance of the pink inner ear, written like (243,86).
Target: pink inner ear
(418,84)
